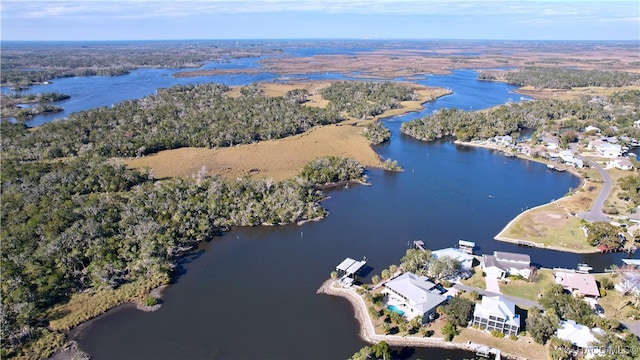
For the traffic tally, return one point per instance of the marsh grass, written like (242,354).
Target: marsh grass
(89,304)
(282,158)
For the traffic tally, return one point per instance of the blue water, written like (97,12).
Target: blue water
(228,300)
(395,310)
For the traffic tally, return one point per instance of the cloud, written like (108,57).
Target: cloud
(153,8)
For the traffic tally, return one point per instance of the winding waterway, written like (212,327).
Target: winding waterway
(251,293)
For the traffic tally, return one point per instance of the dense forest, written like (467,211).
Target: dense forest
(562,78)
(613,114)
(190,115)
(74,219)
(362,100)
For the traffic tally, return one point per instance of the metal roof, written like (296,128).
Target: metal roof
(350,266)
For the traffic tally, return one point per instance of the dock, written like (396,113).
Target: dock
(419,244)
(483,350)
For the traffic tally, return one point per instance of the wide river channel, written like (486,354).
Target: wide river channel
(251,293)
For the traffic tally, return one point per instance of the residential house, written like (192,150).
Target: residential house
(577,283)
(496,313)
(581,336)
(505,140)
(466,260)
(621,163)
(502,264)
(609,150)
(591,129)
(416,294)
(569,159)
(550,142)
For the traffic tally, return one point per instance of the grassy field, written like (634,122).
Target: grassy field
(524,346)
(528,290)
(477,280)
(283,158)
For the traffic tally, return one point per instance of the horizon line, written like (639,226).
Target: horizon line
(319,39)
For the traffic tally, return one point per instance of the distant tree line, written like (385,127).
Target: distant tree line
(613,114)
(563,78)
(59,60)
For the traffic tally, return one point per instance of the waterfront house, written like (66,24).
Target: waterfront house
(505,140)
(466,260)
(417,295)
(581,337)
(496,313)
(550,142)
(502,264)
(609,150)
(579,284)
(569,159)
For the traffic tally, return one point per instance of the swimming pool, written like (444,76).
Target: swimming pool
(395,309)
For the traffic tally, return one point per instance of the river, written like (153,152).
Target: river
(251,293)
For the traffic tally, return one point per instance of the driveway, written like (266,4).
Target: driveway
(596,214)
(492,284)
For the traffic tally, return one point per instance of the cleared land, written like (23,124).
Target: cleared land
(283,158)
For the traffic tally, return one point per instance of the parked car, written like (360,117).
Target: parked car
(598,309)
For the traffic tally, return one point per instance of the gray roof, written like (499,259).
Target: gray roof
(512,257)
(417,290)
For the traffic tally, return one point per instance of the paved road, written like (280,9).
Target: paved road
(596,214)
(522,303)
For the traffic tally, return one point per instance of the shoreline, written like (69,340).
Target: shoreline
(367,330)
(524,242)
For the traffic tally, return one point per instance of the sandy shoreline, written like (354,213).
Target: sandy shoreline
(367,331)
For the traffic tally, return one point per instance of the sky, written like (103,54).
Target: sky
(319,19)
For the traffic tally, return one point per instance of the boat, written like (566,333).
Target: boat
(584,268)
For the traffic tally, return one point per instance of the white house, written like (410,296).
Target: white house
(591,128)
(568,158)
(416,294)
(466,260)
(580,336)
(621,163)
(505,140)
(502,264)
(609,150)
(496,313)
